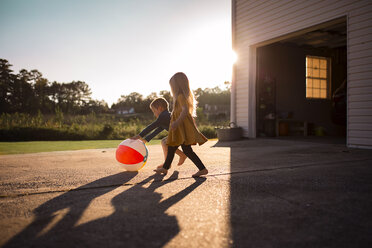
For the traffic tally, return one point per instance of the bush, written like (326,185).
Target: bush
(24,127)
(208,131)
(34,133)
(106,131)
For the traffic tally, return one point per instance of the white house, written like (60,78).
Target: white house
(125,111)
(303,66)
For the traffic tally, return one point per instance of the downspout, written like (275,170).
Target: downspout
(233,77)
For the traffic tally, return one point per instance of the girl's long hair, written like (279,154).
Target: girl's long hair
(180,85)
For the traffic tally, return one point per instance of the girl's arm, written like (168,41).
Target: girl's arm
(182,116)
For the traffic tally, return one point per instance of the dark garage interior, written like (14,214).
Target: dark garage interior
(301,85)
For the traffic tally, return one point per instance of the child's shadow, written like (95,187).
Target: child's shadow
(139,219)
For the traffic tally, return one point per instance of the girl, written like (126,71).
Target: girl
(183,130)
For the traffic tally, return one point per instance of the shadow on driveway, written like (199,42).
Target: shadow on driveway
(287,193)
(138,220)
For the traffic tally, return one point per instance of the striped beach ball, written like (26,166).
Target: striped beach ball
(132,154)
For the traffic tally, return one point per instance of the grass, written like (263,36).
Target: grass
(50,146)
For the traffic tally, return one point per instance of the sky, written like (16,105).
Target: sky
(119,46)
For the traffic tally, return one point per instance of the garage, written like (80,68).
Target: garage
(303,70)
(301,85)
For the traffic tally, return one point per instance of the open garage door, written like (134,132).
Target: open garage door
(301,85)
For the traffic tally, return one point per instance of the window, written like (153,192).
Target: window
(317,77)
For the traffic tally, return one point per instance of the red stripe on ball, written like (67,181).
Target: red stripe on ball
(127,155)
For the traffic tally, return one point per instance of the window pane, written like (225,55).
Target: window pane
(309,83)
(309,62)
(309,92)
(323,93)
(316,93)
(316,83)
(323,74)
(323,63)
(315,63)
(309,72)
(323,84)
(315,72)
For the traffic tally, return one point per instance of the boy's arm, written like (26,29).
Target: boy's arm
(149,128)
(153,134)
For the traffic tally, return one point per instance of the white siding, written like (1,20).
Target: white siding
(259,22)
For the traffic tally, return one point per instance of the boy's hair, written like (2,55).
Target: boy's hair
(159,102)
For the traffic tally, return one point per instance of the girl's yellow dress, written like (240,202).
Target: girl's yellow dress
(186,133)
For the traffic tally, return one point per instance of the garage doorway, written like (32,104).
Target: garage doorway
(301,84)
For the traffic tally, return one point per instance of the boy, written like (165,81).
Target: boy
(160,108)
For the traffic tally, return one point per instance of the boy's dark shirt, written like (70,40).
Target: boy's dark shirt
(161,123)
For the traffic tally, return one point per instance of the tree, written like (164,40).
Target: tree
(70,97)
(94,106)
(29,92)
(147,101)
(41,90)
(22,96)
(167,95)
(214,96)
(134,100)
(5,84)
(27,98)
(82,93)
(55,94)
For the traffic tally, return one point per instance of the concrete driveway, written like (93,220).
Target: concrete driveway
(259,193)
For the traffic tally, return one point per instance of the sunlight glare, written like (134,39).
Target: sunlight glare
(205,54)
(234,57)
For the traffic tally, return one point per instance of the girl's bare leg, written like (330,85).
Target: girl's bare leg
(165,150)
(178,152)
(200,173)
(182,157)
(168,161)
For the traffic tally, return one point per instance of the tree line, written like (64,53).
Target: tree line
(30,92)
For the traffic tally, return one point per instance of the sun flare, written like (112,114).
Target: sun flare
(234,57)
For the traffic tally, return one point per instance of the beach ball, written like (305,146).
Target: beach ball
(132,154)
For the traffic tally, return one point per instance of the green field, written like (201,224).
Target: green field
(49,146)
